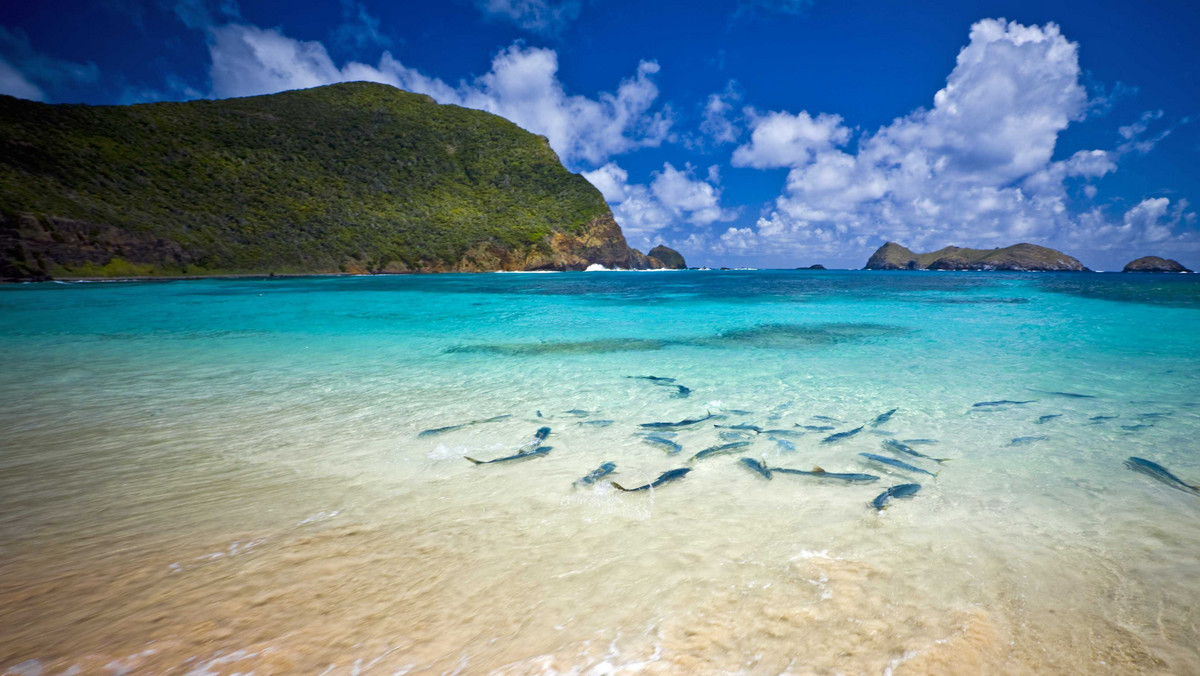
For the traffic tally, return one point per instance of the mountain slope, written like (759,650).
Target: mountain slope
(350,177)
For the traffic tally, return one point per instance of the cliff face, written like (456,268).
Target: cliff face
(1154,264)
(1019,257)
(355,177)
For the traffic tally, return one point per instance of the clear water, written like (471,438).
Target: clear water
(226,476)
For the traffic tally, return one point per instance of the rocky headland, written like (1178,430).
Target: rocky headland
(348,178)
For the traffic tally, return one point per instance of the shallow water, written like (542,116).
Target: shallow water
(225,476)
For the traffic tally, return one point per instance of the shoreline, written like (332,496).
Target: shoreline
(258,275)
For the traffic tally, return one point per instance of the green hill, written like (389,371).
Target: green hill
(1018,257)
(351,177)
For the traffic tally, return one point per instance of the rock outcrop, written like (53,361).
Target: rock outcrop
(1018,258)
(1154,264)
(666,257)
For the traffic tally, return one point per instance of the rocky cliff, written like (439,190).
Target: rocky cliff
(354,177)
(1019,257)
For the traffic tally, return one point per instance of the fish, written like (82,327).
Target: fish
(901,447)
(536,440)
(1025,441)
(900,491)
(1097,419)
(1135,428)
(825,418)
(653,379)
(1001,402)
(440,430)
(535,453)
(883,417)
(1073,395)
(729,435)
(783,444)
(882,433)
(743,427)
(599,473)
(922,442)
(1154,470)
(669,475)
(832,438)
(851,477)
(1144,416)
(1046,418)
(784,433)
(756,467)
(682,423)
(681,392)
(577,412)
(816,428)
(898,464)
(596,423)
(667,445)
(721,449)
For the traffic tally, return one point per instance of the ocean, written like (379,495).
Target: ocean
(226,476)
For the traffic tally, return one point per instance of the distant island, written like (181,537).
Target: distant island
(1154,264)
(1018,257)
(350,178)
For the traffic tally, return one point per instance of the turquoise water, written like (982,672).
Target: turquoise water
(220,476)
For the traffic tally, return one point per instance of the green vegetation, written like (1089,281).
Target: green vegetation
(1018,257)
(349,177)
(1154,264)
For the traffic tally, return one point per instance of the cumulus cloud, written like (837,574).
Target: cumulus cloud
(673,197)
(779,139)
(522,86)
(545,17)
(696,201)
(28,74)
(976,168)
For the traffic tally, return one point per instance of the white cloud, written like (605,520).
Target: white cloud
(698,202)
(779,139)
(716,123)
(546,17)
(673,197)
(975,169)
(522,86)
(28,74)
(14,83)
(1137,128)
(1147,217)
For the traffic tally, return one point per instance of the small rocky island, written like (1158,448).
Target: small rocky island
(666,257)
(1154,264)
(1017,258)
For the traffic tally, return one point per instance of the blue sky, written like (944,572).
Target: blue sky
(766,133)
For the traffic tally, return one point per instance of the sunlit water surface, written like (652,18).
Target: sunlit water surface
(226,476)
